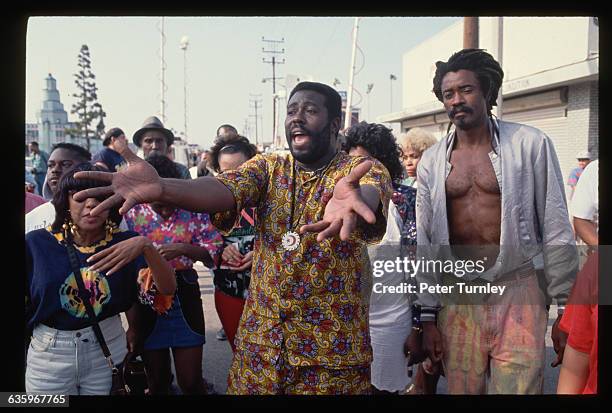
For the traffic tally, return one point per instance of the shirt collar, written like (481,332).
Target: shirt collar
(493,127)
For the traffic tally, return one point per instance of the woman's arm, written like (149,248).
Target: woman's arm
(124,252)
(162,272)
(574,372)
(194,252)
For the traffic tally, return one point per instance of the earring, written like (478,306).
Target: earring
(65,229)
(109,225)
(69,226)
(73,227)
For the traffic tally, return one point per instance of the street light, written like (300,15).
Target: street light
(183,46)
(391,79)
(336,82)
(368,90)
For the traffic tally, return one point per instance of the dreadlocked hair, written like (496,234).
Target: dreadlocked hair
(487,70)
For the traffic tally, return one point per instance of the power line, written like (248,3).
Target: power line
(255,103)
(274,62)
(162,70)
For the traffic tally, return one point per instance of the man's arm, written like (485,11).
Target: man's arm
(429,303)
(559,246)
(139,183)
(194,252)
(586,230)
(560,254)
(204,194)
(574,372)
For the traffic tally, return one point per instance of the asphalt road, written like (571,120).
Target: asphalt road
(218,354)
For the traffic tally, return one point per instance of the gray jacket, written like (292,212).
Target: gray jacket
(534,217)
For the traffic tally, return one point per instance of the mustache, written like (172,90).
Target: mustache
(457,109)
(302,129)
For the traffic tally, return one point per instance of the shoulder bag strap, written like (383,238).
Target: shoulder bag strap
(85,295)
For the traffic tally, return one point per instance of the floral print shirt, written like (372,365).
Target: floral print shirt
(181,227)
(404,198)
(309,305)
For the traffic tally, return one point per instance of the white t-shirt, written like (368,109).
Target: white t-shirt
(585,202)
(40,217)
(389,309)
(193,171)
(43,215)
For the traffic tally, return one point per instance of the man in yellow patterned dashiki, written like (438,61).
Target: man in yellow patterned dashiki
(304,329)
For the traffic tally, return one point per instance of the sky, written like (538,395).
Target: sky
(223,63)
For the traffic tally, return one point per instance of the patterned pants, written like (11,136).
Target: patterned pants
(266,372)
(503,341)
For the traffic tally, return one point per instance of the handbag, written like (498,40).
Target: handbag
(119,386)
(134,374)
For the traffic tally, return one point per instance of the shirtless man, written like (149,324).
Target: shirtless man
(492,189)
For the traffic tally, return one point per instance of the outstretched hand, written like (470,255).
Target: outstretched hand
(138,183)
(343,209)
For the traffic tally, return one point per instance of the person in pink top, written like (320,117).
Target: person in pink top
(182,237)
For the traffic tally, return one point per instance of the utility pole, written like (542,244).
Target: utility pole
(256,104)
(246,129)
(470,32)
(392,77)
(274,62)
(500,57)
(348,115)
(184,45)
(163,73)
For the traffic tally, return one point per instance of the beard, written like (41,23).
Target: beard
(470,120)
(316,148)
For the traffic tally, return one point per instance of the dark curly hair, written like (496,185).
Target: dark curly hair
(227,126)
(165,167)
(487,70)
(229,145)
(68,183)
(380,143)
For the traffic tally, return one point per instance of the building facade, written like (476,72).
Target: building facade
(52,123)
(551,79)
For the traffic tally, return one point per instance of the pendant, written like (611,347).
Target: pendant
(291,240)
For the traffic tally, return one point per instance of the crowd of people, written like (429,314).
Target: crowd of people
(290,238)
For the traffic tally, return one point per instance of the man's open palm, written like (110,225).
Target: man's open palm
(138,183)
(343,209)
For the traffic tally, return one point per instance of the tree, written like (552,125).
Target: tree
(87,107)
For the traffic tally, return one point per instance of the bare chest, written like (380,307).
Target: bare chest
(472,171)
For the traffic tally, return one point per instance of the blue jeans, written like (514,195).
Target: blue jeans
(72,362)
(40,181)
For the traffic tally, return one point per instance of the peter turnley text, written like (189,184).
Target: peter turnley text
(461,288)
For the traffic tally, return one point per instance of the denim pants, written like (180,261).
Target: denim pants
(72,362)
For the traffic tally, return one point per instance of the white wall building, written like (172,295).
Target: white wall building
(551,79)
